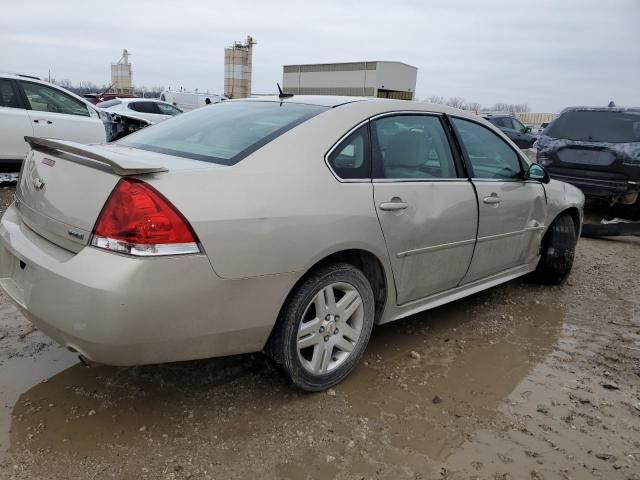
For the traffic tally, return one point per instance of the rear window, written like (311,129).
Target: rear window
(223,133)
(594,126)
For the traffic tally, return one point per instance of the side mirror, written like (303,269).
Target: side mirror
(527,129)
(538,173)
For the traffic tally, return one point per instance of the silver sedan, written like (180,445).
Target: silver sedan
(290,226)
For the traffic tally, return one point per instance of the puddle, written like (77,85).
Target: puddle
(471,358)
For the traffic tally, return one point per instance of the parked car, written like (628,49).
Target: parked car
(96,98)
(31,107)
(596,149)
(513,128)
(190,100)
(537,131)
(152,110)
(293,235)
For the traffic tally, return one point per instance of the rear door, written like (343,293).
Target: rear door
(427,210)
(14,122)
(512,210)
(55,114)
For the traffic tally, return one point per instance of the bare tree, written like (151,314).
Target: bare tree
(473,106)
(456,102)
(437,99)
(511,107)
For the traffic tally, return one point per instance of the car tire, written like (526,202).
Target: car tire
(313,334)
(557,252)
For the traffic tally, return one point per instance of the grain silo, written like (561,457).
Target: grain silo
(121,75)
(237,69)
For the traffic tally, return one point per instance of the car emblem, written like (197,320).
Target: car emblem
(78,235)
(38,183)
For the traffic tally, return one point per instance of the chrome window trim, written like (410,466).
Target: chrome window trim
(524,161)
(416,180)
(364,122)
(336,145)
(419,180)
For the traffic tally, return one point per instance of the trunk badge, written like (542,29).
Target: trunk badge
(38,183)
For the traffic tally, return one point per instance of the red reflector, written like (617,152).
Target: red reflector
(137,215)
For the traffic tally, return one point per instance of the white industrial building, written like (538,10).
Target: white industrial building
(361,79)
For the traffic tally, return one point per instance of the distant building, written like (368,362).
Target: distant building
(361,79)
(121,75)
(238,60)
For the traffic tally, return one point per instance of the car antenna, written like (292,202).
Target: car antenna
(281,94)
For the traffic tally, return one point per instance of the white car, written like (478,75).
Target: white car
(154,111)
(31,107)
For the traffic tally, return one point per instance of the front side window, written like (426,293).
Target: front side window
(489,155)
(223,133)
(517,126)
(350,159)
(46,99)
(412,147)
(8,97)
(166,109)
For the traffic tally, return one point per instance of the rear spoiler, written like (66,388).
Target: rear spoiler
(119,164)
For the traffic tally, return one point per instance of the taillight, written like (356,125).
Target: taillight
(138,220)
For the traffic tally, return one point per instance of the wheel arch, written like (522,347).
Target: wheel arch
(369,263)
(574,213)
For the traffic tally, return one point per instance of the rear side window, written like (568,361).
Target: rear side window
(412,147)
(595,126)
(8,97)
(351,159)
(46,99)
(144,107)
(223,133)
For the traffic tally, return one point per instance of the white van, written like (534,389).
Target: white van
(189,100)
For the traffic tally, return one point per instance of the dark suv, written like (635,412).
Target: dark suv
(512,128)
(595,149)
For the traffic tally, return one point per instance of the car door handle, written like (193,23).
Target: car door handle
(49,122)
(492,200)
(392,206)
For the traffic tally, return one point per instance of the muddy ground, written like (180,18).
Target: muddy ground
(519,382)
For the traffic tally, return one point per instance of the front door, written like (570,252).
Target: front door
(511,210)
(427,211)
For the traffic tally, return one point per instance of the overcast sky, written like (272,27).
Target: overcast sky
(548,54)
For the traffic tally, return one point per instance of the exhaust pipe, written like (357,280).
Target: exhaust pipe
(85,361)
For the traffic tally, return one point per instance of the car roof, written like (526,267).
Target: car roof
(601,109)
(17,76)
(320,100)
(382,104)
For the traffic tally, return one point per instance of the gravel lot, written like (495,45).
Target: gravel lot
(520,382)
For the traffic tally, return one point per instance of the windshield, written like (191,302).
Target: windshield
(597,126)
(109,103)
(223,133)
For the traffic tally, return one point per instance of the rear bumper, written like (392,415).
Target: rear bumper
(595,186)
(120,310)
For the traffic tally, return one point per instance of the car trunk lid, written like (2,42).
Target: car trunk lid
(63,185)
